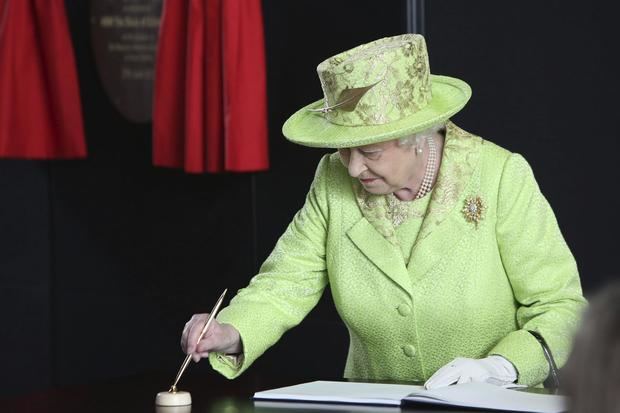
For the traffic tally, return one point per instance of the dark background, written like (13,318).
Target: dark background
(103,260)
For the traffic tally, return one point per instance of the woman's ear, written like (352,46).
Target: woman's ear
(343,154)
(419,139)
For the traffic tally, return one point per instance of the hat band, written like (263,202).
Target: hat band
(380,105)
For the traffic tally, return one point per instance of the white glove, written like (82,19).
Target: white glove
(493,369)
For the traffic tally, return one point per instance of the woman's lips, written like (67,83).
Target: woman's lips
(369,180)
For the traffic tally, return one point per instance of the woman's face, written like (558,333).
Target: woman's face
(382,168)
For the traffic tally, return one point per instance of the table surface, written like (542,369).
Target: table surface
(137,395)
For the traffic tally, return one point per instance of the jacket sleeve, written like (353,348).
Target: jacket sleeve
(542,272)
(289,283)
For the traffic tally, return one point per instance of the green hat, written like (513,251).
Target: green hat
(376,92)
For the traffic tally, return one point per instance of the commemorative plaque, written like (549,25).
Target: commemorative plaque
(124,38)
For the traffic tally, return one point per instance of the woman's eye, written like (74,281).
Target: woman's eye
(371,155)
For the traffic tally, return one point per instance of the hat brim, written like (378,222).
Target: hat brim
(312,129)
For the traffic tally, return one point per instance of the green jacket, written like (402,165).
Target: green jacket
(471,288)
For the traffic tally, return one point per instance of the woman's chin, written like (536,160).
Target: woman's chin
(377,190)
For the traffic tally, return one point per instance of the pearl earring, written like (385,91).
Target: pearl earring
(418,144)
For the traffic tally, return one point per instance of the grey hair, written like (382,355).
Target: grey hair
(417,137)
(593,368)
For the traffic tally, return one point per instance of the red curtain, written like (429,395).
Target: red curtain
(210,110)
(40,110)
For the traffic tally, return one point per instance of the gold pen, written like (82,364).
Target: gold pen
(216,307)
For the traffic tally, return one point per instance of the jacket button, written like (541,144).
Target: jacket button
(409,350)
(404,310)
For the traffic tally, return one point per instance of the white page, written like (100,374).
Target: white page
(341,392)
(488,396)
(284,406)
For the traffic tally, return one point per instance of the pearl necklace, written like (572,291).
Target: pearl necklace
(399,211)
(427,181)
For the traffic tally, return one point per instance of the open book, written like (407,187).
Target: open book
(477,395)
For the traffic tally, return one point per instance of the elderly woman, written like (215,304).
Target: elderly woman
(444,259)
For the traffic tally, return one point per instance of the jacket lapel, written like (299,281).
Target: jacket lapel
(385,255)
(444,224)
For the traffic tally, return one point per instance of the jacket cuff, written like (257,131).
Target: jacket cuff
(526,355)
(227,365)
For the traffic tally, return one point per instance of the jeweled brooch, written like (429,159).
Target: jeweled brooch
(474,209)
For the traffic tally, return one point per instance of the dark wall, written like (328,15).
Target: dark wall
(103,260)
(25,280)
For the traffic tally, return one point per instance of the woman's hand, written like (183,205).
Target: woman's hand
(493,369)
(222,338)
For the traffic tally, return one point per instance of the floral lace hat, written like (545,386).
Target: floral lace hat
(376,92)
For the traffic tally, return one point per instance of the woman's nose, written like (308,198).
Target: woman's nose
(356,164)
